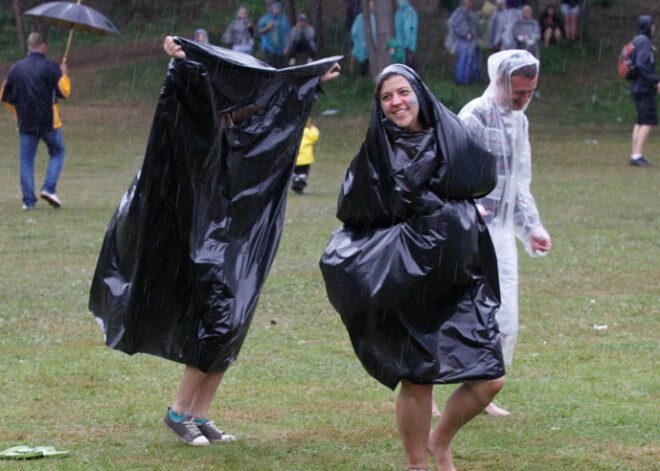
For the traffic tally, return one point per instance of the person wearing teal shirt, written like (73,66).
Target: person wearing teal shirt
(405,24)
(274,30)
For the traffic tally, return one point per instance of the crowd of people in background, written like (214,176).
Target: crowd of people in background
(504,25)
(284,45)
(498,25)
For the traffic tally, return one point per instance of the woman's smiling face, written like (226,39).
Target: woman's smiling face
(400,103)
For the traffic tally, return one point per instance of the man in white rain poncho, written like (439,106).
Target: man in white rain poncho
(498,119)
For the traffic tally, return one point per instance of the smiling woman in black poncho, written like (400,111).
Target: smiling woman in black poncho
(413,271)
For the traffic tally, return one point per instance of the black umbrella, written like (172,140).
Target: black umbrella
(74,16)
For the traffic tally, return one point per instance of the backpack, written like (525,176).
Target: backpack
(627,68)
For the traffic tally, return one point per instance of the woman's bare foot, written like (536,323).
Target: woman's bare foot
(492,409)
(442,457)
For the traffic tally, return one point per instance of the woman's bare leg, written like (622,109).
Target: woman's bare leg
(465,403)
(435,412)
(413,418)
(196,392)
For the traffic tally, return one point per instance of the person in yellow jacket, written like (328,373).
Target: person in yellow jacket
(305,158)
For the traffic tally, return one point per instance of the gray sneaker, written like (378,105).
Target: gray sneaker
(186,430)
(214,434)
(639,162)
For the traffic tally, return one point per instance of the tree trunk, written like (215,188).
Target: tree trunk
(290,12)
(379,57)
(583,21)
(316,19)
(19,26)
(535,8)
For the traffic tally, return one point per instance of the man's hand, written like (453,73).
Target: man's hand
(482,211)
(173,49)
(64,68)
(270,25)
(540,243)
(332,73)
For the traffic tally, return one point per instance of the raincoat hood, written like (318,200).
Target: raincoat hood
(279,9)
(455,179)
(645,25)
(392,42)
(239,10)
(501,67)
(202,31)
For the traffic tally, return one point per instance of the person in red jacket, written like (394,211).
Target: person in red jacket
(31,90)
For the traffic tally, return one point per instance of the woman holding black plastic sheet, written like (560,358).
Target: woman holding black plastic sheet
(413,272)
(187,252)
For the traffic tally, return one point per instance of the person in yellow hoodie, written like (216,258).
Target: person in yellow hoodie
(30,91)
(305,158)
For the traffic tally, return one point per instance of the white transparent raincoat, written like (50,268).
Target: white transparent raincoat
(510,209)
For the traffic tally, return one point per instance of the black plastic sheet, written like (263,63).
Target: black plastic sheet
(413,271)
(187,251)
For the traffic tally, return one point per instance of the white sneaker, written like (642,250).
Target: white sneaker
(214,434)
(52,199)
(186,430)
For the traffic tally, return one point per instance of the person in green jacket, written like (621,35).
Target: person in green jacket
(396,51)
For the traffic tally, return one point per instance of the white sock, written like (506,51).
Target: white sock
(636,156)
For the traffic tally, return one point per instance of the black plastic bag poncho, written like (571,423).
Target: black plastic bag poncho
(187,251)
(413,272)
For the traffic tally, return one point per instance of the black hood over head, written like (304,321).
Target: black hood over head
(645,25)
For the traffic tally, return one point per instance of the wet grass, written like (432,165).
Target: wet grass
(297,397)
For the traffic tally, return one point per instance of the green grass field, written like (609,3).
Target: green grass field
(581,398)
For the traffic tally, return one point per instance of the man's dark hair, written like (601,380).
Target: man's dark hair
(529,72)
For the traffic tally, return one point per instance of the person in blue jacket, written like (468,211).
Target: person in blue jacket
(360,50)
(274,30)
(644,89)
(464,27)
(31,90)
(405,25)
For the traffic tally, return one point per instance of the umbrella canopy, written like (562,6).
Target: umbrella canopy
(74,16)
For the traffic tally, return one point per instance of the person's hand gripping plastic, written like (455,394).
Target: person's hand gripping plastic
(173,49)
(540,242)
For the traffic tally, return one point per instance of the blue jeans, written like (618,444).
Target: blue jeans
(28,150)
(467,67)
